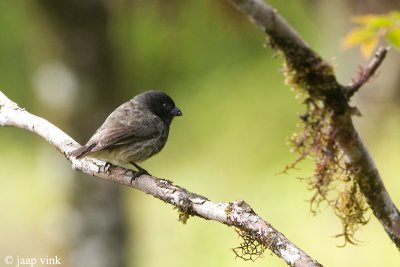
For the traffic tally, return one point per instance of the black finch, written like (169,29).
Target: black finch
(135,131)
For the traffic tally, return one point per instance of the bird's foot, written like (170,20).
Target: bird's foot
(107,167)
(139,173)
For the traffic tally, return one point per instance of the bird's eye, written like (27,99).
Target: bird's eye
(165,105)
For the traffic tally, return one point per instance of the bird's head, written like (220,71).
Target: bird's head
(160,104)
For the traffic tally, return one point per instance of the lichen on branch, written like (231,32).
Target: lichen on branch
(250,248)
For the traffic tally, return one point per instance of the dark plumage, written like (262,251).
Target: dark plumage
(134,131)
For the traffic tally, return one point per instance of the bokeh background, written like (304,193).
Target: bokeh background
(72,62)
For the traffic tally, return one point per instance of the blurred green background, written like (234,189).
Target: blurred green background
(230,144)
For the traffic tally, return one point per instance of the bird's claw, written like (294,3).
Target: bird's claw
(107,167)
(139,173)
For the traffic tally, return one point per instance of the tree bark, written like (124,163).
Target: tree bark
(81,27)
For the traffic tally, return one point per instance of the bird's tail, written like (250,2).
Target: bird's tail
(81,151)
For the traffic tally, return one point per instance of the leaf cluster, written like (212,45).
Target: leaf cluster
(371,29)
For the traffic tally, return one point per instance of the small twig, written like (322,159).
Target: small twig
(237,213)
(366,73)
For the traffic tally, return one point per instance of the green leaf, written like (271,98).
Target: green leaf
(393,37)
(371,29)
(357,36)
(374,21)
(368,47)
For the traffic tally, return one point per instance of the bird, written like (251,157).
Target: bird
(133,132)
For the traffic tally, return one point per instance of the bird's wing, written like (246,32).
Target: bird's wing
(120,134)
(117,131)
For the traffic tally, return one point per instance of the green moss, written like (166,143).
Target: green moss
(183,216)
(334,182)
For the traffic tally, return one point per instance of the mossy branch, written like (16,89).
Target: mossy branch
(342,161)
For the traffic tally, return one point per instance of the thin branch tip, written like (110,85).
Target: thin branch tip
(366,73)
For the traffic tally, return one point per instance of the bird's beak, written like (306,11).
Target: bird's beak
(176,112)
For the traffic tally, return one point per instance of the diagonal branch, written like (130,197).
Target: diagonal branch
(307,71)
(238,213)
